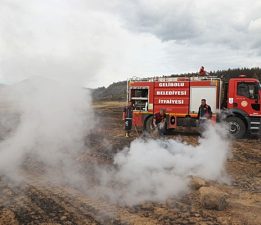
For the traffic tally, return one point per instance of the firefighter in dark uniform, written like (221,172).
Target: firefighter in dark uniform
(159,121)
(204,112)
(127,118)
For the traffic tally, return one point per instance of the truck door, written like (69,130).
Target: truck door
(247,97)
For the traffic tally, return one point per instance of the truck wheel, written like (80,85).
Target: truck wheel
(148,125)
(236,127)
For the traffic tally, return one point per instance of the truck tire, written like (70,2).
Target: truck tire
(236,127)
(148,124)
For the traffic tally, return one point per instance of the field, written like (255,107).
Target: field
(36,200)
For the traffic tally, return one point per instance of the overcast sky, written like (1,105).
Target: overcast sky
(95,43)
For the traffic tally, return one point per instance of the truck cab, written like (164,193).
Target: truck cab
(243,103)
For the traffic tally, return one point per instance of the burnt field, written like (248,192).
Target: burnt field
(38,200)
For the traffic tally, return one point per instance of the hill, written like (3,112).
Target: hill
(116,91)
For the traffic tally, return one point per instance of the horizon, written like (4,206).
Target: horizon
(118,81)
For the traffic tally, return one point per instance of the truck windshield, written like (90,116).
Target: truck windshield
(248,89)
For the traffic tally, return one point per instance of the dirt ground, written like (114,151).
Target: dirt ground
(35,201)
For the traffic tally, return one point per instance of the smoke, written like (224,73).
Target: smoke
(52,121)
(77,41)
(154,170)
(73,44)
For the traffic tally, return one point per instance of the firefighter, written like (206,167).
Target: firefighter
(202,71)
(159,121)
(204,112)
(127,118)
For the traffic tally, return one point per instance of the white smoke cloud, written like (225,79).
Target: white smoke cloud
(154,170)
(80,43)
(53,120)
(73,41)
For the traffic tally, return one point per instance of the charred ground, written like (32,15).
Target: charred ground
(37,201)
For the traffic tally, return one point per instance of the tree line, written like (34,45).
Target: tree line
(117,90)
(254,72)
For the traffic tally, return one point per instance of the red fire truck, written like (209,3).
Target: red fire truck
(237,101)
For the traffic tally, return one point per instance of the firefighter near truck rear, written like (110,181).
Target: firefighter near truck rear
(236,101)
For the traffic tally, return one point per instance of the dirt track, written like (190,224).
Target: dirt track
(37,202)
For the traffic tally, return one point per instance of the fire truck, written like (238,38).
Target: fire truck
(236,101)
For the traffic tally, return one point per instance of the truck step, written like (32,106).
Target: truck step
(254,122)
(255,125)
